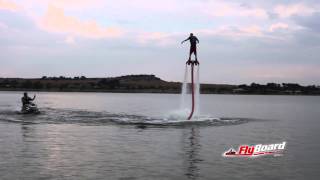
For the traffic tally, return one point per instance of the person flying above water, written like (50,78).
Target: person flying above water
(193,47)
(26,100)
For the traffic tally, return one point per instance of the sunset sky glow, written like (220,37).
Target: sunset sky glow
(241,41)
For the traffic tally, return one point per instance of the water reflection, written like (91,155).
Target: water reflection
(192,149)
(25,130)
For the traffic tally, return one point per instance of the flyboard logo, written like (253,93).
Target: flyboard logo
(256,150)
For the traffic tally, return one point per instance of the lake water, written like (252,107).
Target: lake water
(140,136)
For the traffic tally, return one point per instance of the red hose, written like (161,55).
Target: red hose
(192,91)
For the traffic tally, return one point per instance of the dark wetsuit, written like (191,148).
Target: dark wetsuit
(193,47)
(193,44)
(26,100)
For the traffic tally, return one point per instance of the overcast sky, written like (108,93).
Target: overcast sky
(241,41)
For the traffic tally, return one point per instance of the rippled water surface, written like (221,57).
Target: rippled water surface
(146,136)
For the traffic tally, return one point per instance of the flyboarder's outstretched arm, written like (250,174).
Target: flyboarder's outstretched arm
(34,97)
(185,40)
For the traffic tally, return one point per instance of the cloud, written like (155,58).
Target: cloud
(72,3)
(3,26)
(69,40)
(253,30)
(66,4)
(234,31)
(224,9)
(7,5)
(285,11)
(278,26)
(311,22)
(158,38)
(56,21)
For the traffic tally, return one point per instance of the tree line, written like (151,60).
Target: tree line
(146,83)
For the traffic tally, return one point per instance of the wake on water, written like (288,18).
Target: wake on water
(83,117)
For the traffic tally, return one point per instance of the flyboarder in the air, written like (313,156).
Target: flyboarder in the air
(193,47)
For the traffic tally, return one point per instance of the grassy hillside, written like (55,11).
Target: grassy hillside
(143,84)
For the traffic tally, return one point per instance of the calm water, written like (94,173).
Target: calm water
(138,136)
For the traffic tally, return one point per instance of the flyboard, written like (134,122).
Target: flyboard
(192,64)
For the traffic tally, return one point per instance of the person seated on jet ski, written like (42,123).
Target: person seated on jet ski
(26,100)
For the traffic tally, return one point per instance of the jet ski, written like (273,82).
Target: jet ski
(30,109)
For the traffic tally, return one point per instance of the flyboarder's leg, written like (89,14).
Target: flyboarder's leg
(195,54)
(189,60)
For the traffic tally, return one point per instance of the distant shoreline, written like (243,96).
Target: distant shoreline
(146,84)
(145,92)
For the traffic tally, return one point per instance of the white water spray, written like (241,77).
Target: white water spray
(185,99)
